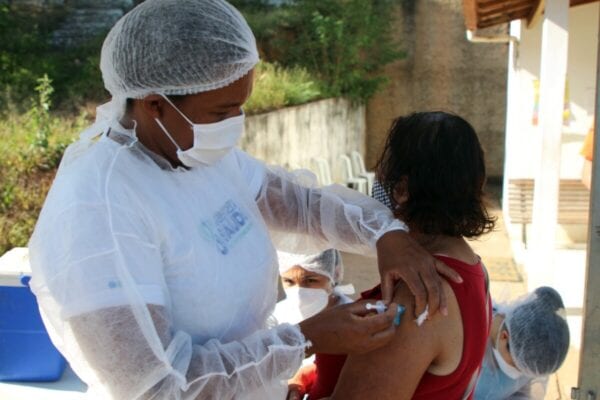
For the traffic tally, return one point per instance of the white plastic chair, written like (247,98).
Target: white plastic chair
(358,166)
(323,171)
(351,181)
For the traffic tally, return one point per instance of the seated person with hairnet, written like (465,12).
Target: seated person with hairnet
(528,341)
(311,283)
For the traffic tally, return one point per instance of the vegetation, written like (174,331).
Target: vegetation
(31,146)
(276,87)
(344,43)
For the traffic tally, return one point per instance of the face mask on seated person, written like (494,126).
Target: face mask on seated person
(300,303)
(211,141)
(494,384)
(505,367)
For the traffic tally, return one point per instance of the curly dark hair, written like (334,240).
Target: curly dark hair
(437,159)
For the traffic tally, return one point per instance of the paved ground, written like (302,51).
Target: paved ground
(507,282)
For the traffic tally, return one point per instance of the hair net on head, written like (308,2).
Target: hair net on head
(538,332)
(176,47)
(328,263)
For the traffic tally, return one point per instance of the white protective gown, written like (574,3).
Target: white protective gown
(157,282)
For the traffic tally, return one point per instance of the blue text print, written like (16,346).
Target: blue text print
(226,226)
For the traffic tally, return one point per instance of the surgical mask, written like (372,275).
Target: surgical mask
(505,367)
(211,141)
(494,384)
(307,300)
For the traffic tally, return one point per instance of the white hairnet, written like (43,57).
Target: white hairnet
(538,332)
(176,47)
(327,263)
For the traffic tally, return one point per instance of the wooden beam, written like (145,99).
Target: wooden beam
(513,13)
(581,2)
(536,13)
(497,21)
(500,19)
(517,8)
(501,6)
(470,11)
(483,3)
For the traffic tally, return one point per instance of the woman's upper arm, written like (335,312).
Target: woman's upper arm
(394,371)
(303,216)
(114,345)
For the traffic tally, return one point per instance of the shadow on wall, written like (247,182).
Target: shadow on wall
(443,71)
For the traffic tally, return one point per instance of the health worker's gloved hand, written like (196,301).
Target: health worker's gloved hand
(349,329)
(400,257)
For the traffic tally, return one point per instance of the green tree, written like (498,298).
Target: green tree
(345,43)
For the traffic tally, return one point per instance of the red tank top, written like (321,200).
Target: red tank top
(472,298)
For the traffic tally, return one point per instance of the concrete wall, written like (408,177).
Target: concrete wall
(292,136)
(86,19)
(443,71)
(83,19)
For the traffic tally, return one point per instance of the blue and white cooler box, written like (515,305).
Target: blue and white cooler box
(26,352)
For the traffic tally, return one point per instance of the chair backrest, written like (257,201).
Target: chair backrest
(346,165)
(358,164)
(323,171)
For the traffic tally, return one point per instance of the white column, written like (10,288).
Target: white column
(513,110)
(553,69)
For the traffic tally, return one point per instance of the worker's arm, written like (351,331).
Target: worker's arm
(124,355)
(134,353)
(304,217)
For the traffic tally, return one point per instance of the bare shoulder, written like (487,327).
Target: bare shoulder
(394,371)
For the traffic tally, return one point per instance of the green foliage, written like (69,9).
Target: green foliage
(29,54)
(31,146)
(345,43)
(277,87)
(40,114)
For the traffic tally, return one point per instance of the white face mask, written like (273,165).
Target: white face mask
(211,141)
(308,301)
(505,367)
